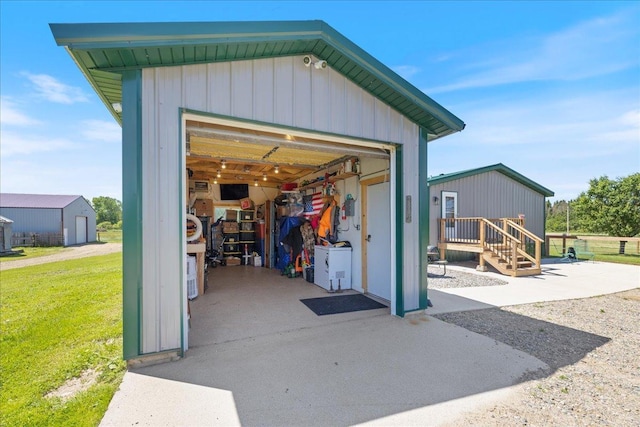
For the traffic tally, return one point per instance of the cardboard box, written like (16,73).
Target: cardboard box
(230,227)
(231,260)
(246,203)
(231,215)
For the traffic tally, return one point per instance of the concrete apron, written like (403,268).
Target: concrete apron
(258,356)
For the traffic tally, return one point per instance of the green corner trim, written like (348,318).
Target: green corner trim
(423,215)
(131,212)
(399,230)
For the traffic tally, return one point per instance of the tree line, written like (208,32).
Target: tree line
(108,212)
(609,206)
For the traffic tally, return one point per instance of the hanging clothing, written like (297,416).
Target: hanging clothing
(308,238)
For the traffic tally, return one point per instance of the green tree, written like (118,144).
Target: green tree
(107,209)
(610,206)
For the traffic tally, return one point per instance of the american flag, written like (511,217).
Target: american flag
(312,205)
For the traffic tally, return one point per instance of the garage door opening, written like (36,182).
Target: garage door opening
(249,186)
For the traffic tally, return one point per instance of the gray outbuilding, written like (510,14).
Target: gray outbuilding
(459,200)
(5,234)
(50,219)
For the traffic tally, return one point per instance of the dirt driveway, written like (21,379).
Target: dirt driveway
(72,252)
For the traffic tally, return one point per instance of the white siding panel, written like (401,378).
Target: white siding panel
(302,100)
(242,89)
(196,87)
(283,91)
(338,103)
(321,100)
(368,115)
(160,211)
(411,244)
(219,77)
(382,120)
(354,110)
(263,90)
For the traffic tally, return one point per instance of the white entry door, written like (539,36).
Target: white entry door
(379,241)
(450,212)
(81,229)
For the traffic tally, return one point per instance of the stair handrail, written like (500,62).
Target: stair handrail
(538,243)
(500,230)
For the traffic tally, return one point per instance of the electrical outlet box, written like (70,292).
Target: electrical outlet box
(349,207)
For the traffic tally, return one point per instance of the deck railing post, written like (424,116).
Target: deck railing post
(514,255)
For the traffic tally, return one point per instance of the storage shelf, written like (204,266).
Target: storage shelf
(331,179)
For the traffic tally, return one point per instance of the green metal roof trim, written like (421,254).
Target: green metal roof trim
(498,168)
(103,51)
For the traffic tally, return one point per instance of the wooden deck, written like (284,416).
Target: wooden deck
(503,243)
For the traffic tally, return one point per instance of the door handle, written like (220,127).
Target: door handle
(368,239)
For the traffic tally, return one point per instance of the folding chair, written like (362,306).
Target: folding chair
(582,250)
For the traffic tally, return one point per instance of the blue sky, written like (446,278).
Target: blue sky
(550,89)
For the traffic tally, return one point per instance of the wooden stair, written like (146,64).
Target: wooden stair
(499,261)
(503,243)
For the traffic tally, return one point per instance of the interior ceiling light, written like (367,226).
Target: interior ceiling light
(255,182)
(276,169)
(223,164)
(264,176)
(218,174)
(215,180)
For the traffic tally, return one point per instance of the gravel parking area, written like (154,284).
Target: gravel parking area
(458,279)
(592,347)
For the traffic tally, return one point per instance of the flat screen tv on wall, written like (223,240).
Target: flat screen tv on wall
(234,191)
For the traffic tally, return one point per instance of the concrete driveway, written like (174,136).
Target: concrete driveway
(260,357)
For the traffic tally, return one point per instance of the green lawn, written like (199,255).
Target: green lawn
(58,320)
(31,252)
(110,236)
(606,251)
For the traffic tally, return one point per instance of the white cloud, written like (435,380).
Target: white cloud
(51,89)
(593,48)
(10,114)
(101,130)
(12,144)
(406,71)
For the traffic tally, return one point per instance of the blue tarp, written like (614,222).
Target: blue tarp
(287,223)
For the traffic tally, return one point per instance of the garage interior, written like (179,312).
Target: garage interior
(278,169)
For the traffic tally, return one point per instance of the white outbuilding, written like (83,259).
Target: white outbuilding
(276,103)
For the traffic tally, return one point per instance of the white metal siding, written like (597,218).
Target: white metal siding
(278,90)
(79,207)
(34,220)
(490,195)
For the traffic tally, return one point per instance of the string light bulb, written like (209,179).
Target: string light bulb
(218,174)
(264,176)
(224,164)
(215,180)
(255,182)
(276,169)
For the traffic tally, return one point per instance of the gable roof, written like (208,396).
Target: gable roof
(5,220)
(499,167)
(104,51)
(42,201)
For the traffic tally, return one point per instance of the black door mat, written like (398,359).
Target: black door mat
(341,304)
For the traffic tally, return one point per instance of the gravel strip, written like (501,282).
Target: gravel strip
(71,252)
(592,347)
(458,279)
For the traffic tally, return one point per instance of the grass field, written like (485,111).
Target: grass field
(31,252)
(110,236)
(604,249)
(59,320)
